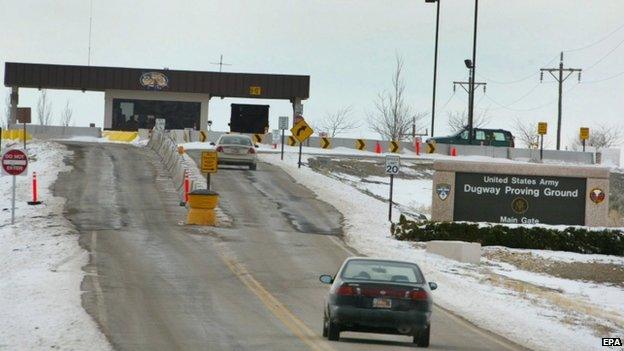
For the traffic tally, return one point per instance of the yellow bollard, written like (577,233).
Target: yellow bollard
(202,203)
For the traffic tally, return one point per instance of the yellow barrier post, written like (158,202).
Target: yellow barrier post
(202,203)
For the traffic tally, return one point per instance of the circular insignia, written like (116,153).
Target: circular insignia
(154,80)
(519,205)
(597,195)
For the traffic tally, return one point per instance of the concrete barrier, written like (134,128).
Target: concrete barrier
(176,165)
(115,135)
(59,132)
(456,250)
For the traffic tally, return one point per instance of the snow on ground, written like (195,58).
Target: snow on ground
(529,312)
(412,194)
(41,264)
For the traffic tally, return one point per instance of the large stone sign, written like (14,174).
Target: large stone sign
(520,193)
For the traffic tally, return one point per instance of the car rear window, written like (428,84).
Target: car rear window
(235,140)
(382,271)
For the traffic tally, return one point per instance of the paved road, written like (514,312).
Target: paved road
(155,284)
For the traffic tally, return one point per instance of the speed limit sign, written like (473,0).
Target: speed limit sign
(393,163)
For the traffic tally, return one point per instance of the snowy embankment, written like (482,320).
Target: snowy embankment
(533,309)
(41,264)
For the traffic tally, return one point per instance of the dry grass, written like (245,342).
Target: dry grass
(575,311)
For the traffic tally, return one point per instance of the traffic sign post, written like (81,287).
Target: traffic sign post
(283,125)
(584,135)
(23,116)
(209,164)
(301,131)
(393,164)
(14,163)
(542,129)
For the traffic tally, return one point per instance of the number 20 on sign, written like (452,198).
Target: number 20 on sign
(393,164)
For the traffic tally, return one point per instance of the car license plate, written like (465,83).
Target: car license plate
(382,303)
(232,151)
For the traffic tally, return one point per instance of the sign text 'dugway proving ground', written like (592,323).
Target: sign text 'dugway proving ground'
(519,199)
(520,193)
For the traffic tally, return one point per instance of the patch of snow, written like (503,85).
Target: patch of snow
(41,265)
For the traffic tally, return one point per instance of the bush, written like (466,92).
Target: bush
(573,239)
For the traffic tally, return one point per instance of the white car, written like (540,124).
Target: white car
(236,149)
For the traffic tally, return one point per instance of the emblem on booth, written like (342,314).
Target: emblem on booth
(597,195)
(154,80)
(443,191)
(520,205)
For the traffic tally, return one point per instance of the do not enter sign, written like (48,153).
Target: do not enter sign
(14,162)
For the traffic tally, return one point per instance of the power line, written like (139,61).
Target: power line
(534,108)
(447,101)
(501,106)
(605,56)
(532,75)
(603,79)
(519,80)
(597,41)
(519,99)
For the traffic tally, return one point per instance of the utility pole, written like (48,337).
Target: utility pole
(435,64)
(470,87)
(559,77)
(473,71)
(220,63)
(90,25)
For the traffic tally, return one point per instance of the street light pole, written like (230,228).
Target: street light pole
(435,63)
(472,75)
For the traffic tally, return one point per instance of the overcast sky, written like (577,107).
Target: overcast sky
(348,49)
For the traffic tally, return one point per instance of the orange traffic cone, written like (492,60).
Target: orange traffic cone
(378,149)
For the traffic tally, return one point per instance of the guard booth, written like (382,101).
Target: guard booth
(251,119)
(135,97)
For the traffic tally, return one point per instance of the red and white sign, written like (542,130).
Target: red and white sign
(14,162)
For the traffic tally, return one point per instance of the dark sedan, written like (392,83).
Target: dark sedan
(378,296)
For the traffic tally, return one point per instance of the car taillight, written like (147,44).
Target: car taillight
(418,295)
(252,150)
(219,148)
(345,290)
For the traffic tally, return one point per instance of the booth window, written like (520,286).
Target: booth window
(131,114)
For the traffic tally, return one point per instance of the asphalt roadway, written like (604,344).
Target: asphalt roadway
(154,283)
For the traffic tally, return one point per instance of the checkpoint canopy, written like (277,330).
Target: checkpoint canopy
(136,97)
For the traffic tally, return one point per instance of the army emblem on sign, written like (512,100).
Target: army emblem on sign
(597,195)
(443,191)
(154,80)
(520,205)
